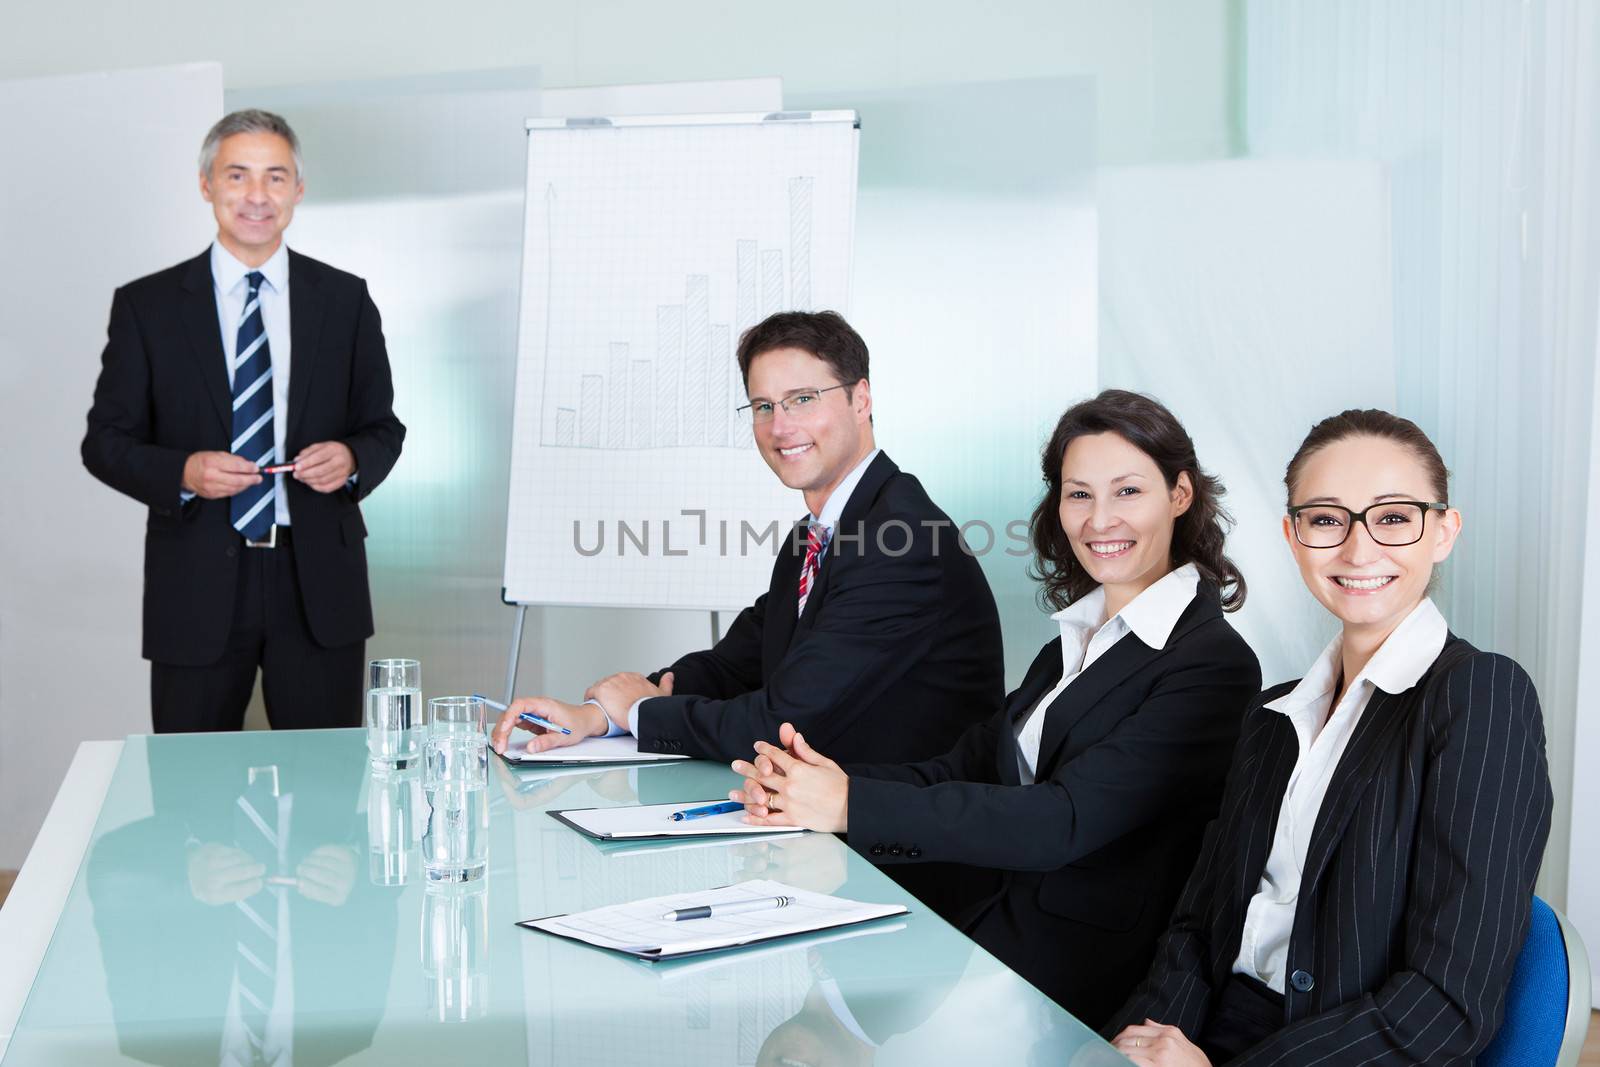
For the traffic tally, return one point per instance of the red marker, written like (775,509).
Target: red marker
(281,468)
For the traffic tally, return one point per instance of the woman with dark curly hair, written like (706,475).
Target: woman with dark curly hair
(1080,804)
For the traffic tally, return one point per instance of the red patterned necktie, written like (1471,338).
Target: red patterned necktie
(816,543)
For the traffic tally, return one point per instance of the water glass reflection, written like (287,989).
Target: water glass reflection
(393,804)
(394,707)
(455,782)
(455,956)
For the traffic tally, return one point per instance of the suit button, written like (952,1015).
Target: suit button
(1302,981)
(875,850)
(914,852)
(895,850)
(233,550)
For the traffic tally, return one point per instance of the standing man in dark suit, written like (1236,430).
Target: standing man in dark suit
(246,357)
(878,629)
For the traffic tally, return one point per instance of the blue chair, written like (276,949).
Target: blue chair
(1547,1005)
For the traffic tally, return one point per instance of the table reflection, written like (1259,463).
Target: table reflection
(234,914)
(455,950)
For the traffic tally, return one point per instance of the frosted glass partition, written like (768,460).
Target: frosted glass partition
(1252,296)
(433,135)
(976,293)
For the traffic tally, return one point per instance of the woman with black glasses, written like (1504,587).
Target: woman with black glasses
(1079,807)
(1364,894)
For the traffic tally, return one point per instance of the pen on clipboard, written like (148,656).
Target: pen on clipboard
(723,808)
(733,907)
(526,716)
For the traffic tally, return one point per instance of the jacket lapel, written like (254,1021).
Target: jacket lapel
(1382,718)
(782,599)
(305,332)
(1268,772)
(1119,662)
(1042,675)
(1104,674)
(851,526)
(205,337)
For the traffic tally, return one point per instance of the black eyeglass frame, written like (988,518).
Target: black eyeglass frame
(1361,517)
(784,403)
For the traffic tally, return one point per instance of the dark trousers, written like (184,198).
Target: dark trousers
(1246,1012)
(304,684)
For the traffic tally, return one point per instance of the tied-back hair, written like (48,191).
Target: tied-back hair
(1198,535)
(1371,422)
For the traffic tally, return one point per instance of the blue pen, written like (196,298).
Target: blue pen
(526,716)
(724,808)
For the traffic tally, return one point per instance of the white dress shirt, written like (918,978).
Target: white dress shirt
(828,518)
(1086,635)
(227,277)
(1398,664)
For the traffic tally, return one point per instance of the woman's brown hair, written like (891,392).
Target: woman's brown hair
(1197,535)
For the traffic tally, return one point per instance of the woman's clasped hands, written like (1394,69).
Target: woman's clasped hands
(793,785)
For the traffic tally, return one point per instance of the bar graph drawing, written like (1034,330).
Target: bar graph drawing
(650,245)
(682,387)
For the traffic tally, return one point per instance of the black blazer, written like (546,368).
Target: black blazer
(897,652)
(1087,862)
(1417,887)
(163,393)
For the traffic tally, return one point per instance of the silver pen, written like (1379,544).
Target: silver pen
(732,907)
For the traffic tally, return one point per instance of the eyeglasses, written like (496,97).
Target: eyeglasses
(798,404)
(1393,523)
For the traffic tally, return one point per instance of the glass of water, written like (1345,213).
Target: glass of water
(394,709)
(455,781)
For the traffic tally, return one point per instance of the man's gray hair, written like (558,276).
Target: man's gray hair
(250,120)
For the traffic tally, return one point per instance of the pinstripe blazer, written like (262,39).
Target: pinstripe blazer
(1416,891)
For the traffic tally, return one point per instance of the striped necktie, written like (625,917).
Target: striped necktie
(252,511)
(816,544)
(259,826)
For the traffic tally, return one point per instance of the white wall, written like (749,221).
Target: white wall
(1162,67)
(99,189)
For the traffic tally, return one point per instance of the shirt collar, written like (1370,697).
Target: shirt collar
(1400,662)
(841,494)
(1152,615)
(228,272)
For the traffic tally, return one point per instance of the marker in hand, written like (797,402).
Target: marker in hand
(279,468)
(526,716)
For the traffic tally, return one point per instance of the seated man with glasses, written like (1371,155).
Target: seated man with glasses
(878,634)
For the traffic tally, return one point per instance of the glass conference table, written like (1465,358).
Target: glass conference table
(146,962)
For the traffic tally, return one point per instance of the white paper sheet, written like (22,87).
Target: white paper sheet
(624,748)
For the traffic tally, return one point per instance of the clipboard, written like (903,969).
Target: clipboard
(636,929)
(653,822)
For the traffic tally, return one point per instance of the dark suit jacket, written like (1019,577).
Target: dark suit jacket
(163,393)
(1415,898)
(1085,864)
(897,652)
